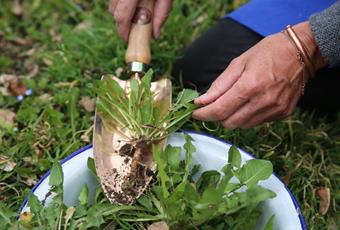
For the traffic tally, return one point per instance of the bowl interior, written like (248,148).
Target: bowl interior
(211,154)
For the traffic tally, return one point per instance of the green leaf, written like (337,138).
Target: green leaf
(270,223)
(208,179)
(91,166)
(56,175)
(95,215)
(84,195)
(234,157)
(174,156)
(186,96)
(145,201)
(161,165)
(253,171)
(34,204)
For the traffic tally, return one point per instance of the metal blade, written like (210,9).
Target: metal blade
(124,164)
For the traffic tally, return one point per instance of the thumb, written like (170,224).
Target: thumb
(223,83)
(161,12)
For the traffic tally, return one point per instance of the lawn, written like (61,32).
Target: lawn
(55,51)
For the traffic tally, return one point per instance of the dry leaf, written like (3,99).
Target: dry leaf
(22,41)
(30,182)
(85,137)
(85,25)
(33,70)
(6,164)
(69,213)
(119,71)
(56,37)
(45,97)
(325,198)
(87,103)
(47,61)
(7,118)
(286,178)
(17,9)
(26,217)
(162,225)
(16,87)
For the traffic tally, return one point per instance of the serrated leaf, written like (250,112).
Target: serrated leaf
(234,157)
(270,223)
(186,96)
(56,175)
(207,179)
(34,204)
(161,165)
(91,166)
(253,171)
(174,156)
(94,216)
(84,195)
(145,201)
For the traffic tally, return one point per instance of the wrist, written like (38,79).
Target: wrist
(304,33)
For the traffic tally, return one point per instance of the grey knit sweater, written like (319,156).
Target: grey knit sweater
(326,30)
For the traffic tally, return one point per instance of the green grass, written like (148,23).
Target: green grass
(74,42)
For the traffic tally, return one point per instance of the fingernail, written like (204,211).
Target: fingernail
(157,34)
(201,98)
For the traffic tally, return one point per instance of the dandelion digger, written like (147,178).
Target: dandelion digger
(131,116)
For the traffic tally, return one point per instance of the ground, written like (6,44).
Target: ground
(54,51)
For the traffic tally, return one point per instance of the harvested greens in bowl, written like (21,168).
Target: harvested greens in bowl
(179,197)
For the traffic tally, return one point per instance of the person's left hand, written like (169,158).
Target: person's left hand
(263,84)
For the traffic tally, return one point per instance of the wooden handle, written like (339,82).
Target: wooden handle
(140,34)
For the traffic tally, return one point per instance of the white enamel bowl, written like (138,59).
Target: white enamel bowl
(211,154)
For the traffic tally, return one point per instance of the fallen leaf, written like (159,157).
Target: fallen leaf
(28,53)
(22,41)
(47,61)
(17,9)
(325,198)
(33,70)
(286,178)
(16,87)
(7,118)
(26,218)
(56,37)
(84,25)
(6,164)
(119,71)
(85,137)
(87,103)
(30,182)
(162,225)
(45,97)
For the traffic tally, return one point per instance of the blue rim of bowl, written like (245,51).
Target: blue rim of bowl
(296,205)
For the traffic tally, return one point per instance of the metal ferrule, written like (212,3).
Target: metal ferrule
(137,67)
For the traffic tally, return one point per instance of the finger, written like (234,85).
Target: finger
(223,83)
(224,106)
(112,6)
(161,12)
(123,15)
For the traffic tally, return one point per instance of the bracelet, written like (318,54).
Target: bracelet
(302,54)
(300,46)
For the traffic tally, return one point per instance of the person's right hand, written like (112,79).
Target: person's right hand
(124,10)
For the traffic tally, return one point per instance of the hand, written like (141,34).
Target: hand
(263,84)
(123,12)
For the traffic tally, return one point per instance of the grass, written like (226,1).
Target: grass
(59,48)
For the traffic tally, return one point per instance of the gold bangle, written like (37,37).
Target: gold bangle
(302,49)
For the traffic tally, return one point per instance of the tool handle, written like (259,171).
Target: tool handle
(140,34)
